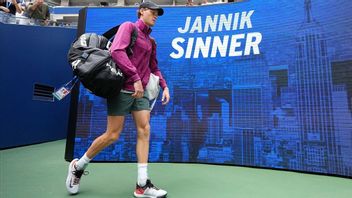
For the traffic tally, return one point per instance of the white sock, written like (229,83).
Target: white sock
(142,174)
(83,162)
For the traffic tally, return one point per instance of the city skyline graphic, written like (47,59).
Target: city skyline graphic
(289,107)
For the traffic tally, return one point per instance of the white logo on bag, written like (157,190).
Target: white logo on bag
(75,63)
(113,70)
(119,73)
(83,40)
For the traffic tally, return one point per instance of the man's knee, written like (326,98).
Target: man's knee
(113,134)
(144,132)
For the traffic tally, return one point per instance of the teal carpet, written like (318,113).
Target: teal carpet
(40,171)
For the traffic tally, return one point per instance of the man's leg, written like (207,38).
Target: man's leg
(76,167)
(144,187)
(141,119)
(114,128)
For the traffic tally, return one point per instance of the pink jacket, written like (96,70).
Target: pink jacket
(142,62)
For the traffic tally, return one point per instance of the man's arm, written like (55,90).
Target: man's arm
(154,65)
(18,7)
(47,14)
(118,51)
(5,9)
(155,70)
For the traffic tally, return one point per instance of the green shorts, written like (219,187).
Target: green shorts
(124,104)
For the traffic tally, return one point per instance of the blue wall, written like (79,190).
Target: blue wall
(32,54)
(286,106)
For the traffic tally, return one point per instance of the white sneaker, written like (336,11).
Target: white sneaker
(149,190)
(73,178)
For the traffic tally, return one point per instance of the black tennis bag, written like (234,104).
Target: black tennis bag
(92,63)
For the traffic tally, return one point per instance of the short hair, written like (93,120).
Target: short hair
(139,13)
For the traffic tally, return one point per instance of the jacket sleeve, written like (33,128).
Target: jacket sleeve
(154,65)
(118,51)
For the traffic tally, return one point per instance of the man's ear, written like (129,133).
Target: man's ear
(142,10)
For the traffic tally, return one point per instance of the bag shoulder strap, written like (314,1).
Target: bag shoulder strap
(134,36)
(110,34)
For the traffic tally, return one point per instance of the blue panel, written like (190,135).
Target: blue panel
(264,83)
(32,54)
(65,10)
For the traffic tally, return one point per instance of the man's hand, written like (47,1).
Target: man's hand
(166,96)
(138,89)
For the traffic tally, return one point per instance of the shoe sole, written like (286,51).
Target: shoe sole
(146,196)
(68,180)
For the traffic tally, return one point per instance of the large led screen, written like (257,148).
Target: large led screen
(257,83)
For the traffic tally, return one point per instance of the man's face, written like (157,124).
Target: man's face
(149,16)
